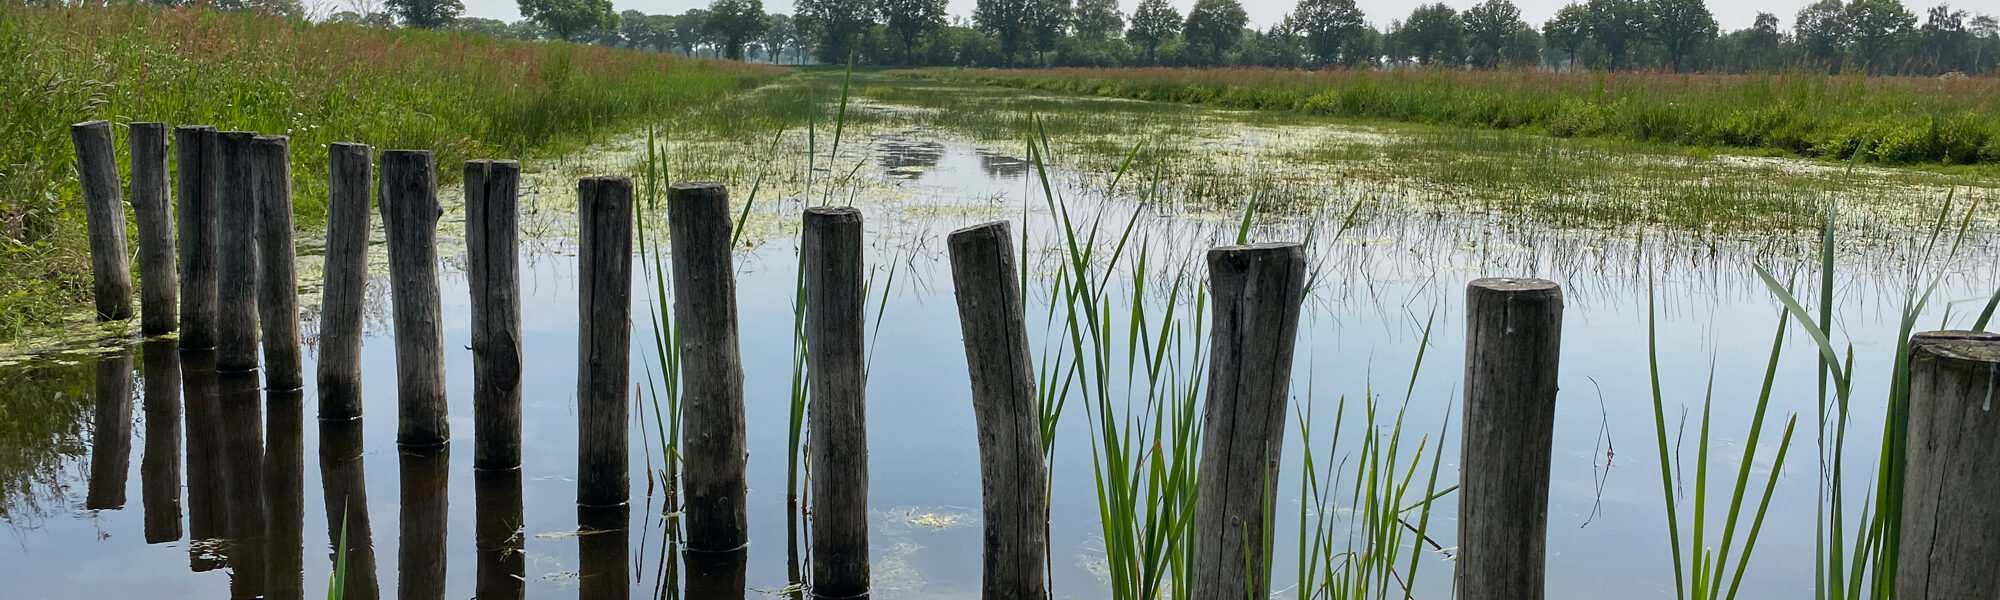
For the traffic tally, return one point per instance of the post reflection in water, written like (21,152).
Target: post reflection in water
(160,466)
(243,474)
(284,495)
(420,553)
(208,510)
(111,432)
(498,536)
(603,540)
(717,575)
(345,483)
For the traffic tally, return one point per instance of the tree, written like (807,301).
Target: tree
(425,14)
(1432,33)
(1985,32)
(688,31)
(1215,26)
(1821,31)
(1878,28)
(834,26)
(1332,29)
(641,30)
(1097,20)
(1680,26)
(1944,38)
(1489,26)
(912,19)
(1524,47)
(1005,20)
(782,35)
(1614,25)
(1153,22)
(1046,21)
(1568,30)
(566,18)
(731,23)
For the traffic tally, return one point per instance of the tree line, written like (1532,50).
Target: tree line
(1872,36)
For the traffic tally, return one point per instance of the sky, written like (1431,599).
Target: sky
(1730,14)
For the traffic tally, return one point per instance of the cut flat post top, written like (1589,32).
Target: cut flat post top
(1256,293)
(604,341)
(350,179)
(410,214)
(838,408)
(711,369)
(492,233)
(1013,479)
(236,255)
(158,302)
(104,216)
(198,184)
(1513,337)
(277,281)
(1951,524)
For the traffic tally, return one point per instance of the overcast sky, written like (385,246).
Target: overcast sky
(1731,14)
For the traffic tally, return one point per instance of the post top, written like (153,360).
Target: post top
(696,185)
(498,162)
(1514,284)
(272,139)
(345,145)
(195,128)
(837,214)
(149,125)
(242,135)
(1260,246)
(1972,346)
(1001,228)
(625,179)
(91,124)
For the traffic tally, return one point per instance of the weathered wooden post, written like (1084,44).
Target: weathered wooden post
(157,295)
(111,432)
(277,281)
(410,213)
(160,466)
(208,509)
(104,216)
(604,341)
(350,181)
(198,184)
(346,502)
(421,551)
(711,368)
(284,494)
(1255,291)
(1014,480)
(497,535)
(243,477)
(1951,525)
(236,332)
(1513,338)
(492,236)
(838,408)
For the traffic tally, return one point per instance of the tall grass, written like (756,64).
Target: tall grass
(459,95)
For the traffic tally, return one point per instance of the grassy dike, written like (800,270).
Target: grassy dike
(1890,120)
(459,95)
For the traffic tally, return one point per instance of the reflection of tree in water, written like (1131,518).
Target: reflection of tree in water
(42,435)
(906,159)
(1001,165)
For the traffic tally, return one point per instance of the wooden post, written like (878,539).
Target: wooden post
(243,477)
(277,281)
(1256,291)
(410,213)
(111,433)
(492,237)
(498,537)
(1014,482)
(198,181)
(208,510)
(838,408)
(1951,526)
(711,368)
(160,466)
(236,258)
(350,179)
(717,575)
(284,495)
(104,215)
(346,502)
(421,551)
(1513,337)
(157,296)
(604,549)
(604,341)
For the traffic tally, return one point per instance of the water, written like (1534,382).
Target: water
(124,468)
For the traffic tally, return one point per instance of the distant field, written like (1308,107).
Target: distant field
(1892,120)
(460,95)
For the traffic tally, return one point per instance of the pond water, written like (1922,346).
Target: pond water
(123,465)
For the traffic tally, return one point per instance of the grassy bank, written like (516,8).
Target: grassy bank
(1893,120)
(459,95)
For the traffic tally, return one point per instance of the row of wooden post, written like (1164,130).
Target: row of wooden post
(236,285)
